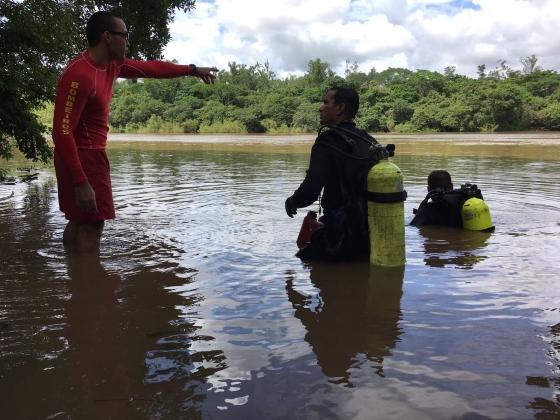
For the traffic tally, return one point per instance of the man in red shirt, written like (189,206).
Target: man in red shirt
(80,124)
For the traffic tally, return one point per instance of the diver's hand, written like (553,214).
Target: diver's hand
(290,208)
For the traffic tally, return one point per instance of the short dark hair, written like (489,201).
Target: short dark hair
(97,24)
(349,97)
(440,179)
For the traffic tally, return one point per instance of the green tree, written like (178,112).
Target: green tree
(505,105)
(530,64)
(279,107)
(390,75)
(542,83)
(425,116)
(353,77)
(551,116)
(481,71)
(503,71)
(450,71)
(317,72)
(250,118)
(372,118)
(248,78)
(38,37)
(183,109)
(306,116)
(212,112)
(401,111)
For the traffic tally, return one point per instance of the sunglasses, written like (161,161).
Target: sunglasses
(123,34)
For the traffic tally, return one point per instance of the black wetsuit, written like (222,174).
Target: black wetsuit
(444,209)
(338,165)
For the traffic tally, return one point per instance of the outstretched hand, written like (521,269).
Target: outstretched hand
(206,74)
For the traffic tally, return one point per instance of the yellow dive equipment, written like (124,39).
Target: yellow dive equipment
(476,215)
(386,198)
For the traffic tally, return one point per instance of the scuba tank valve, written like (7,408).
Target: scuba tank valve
(475,213)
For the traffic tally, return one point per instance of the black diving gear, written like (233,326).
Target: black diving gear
(444,207)
(340,161)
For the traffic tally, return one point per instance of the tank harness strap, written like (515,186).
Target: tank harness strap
(342,131)
(344,153)
(386,198)
(375,153)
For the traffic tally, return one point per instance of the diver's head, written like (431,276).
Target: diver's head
(439,179)
(339,104)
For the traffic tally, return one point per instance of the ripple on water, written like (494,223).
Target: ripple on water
(199,304)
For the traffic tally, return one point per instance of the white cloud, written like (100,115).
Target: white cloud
(428,34)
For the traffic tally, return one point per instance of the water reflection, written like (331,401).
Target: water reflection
(97,352)
(549,408)
(189,315)
(445,246)
(355,313)
(128,348)
(89,337)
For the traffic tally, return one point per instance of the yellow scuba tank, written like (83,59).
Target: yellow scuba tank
(386,198)
(476,215)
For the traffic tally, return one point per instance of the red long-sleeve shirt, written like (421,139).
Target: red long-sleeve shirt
(81,111)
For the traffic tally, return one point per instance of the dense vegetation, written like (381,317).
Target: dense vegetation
(252,99)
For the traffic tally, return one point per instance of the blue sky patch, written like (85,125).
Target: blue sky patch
(465,4)
(454,6)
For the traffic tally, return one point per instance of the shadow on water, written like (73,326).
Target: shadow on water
(355,312)
(453,247)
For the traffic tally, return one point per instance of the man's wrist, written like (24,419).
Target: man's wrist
(193,70)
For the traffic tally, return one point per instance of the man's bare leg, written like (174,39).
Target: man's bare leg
(83,237)
(69,235)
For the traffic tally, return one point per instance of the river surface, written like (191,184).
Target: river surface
(197,307)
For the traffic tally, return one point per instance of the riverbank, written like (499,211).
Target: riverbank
(530,145)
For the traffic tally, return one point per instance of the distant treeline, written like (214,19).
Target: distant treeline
(251,99)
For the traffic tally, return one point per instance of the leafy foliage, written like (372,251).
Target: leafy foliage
(38,37)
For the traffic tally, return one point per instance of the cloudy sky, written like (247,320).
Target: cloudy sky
(416,34)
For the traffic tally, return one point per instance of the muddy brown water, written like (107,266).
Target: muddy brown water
(197,307)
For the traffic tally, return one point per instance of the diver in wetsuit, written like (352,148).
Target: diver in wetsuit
(442,205)
(340,160)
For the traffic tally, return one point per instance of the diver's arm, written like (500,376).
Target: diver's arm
(420,218)
(310,188)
